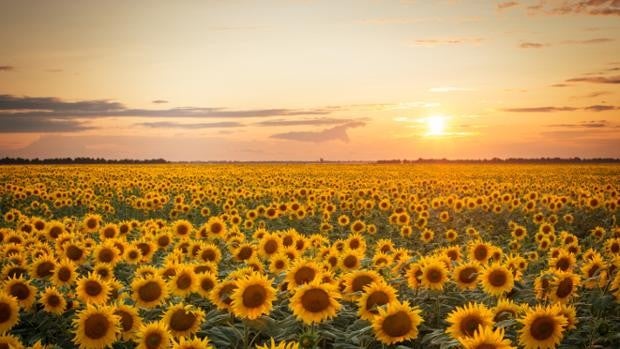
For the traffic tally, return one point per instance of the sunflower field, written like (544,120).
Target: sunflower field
(310,256)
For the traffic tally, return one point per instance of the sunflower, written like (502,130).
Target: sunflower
(109,231)
(10,341)
(74,252)
(221,294)
(130,321)
(154,335)
(398,322)
(183,282)
(22,290)
(506,309)
(434,274)
(270,245)
(278,263)
(466,275)
(42,267)
(594,272)
(281,345)
(64,273)
(210,253)
(487,338)
(253,297)
(215,227)
(315,302)
(96,327)
(9,312)
(355,282)
(206,283)
(564,286)
(91,223)
(193,343)
(183,320)
(149,292)
(53,301)
(92,289)
(480,252)
(497,279)
(350,260)
(375,295)
(302,272)
(465,320)
(570,313)
(182,228)
(543,328)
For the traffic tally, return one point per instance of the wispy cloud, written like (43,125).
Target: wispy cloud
(584,124)
(159,101)
(597,79)
(567,7)
(51,107)
(329,134)
(6,68)
(533,45)
(446,41)
(190,126)
(305,122)
(507,4)
(444,89)
(588,41)
(38,125)
(552,109)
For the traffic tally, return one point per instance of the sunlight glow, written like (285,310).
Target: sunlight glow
(435,126)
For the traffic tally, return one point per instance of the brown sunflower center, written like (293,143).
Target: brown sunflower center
(279,264)
(542,328)
(206,284)
(208,255)
(376,299)
(106,255)
(93,288)
(53,300)
(182,229)
(254,296)
(245,253)
(565,287)
(315,300)
(498,278)
(150,291)
(153,339)
(64,274)
(126,319)
(91,223)
(358,283)
(96,326)
(480,253)
(216,228)
(182,320)
(45,269)
(434,275)
(74,253)
(350,261)
(271,247)
(469,324)
(20,291)
(397,324)
(184,281)
(304,275)
(5,312)
(468,275)
(55,232)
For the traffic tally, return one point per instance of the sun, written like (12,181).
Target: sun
(435,125)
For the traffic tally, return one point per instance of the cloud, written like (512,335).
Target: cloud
(37,125)
(532,45)
(444,89)
(170,124)
(539,109)
(51,107)
(595,94)
(599,107)
(159,101)
(588,41)
(560,85)
(594,108)
(304,122)
(329,134)
(446,41)
(54,70)
(567,7)
(507,4)
(597,79)
(6,68)
(584,124)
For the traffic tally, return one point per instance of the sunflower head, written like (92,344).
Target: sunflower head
(396,323)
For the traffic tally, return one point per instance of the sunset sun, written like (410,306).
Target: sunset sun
(435,126)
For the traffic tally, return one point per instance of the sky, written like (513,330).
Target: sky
(309,79)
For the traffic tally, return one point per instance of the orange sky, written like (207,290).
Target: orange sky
(303,79)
